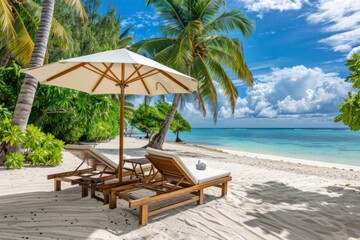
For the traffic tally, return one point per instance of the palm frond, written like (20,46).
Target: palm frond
(228,21)
(165,55)
(7,19)
(209,8)
(152,46)
(58,32)
(125,40)
(23,46)
(231,47)
(78,9)
(220,76)
(170,31)
(183,54)
(207,95)
(126,32)
(59,35)
(171,11)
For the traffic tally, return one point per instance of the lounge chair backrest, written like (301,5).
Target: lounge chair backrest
(170,165)
(91,156)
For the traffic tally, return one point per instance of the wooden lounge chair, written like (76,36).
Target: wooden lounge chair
(179,179)
(99,175)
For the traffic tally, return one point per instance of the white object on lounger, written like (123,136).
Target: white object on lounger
(189,166)
(201,165)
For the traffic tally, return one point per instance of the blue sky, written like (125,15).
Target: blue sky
(297,55)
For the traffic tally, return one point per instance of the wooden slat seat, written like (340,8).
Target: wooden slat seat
(98,172)
(175,178)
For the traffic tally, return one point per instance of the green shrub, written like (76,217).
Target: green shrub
(49,153)
(99,131)
(33,137)
(14,160)
(12,135)
(53,148)
(350,110)
(54,158)
(38,156)
(41,148)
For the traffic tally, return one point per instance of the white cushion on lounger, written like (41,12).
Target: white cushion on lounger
(189,166)
(113,163)
(206,175)
(92,152)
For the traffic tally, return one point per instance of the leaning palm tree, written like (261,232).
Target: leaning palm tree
(195,44)
(28,89)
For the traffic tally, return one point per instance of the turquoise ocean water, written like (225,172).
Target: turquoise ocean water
(326,145)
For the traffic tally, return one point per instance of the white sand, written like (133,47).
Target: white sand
(267,199)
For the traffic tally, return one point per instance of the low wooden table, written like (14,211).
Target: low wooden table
(139,162)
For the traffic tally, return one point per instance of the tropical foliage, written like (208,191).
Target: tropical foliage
(40,148)
(195,43)
(68,115)
(350,110)
(103,32)
(179,123)
(19,23)
(71,115)
(149,120)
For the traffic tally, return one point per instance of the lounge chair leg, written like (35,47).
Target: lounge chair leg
(143,215)
(224,189)
(92,191)
(201,197)
(84,191)
(106,197)
(113,202)
(57,185)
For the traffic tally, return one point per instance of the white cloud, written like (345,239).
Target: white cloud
(290,92)
(140,25)
(344,41)
(340,17)
(141,19)
(354,50)
(238,82)
(262,6)
(268,33)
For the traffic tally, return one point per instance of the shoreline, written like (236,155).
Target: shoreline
(291,160)
(274,157)
(253,155)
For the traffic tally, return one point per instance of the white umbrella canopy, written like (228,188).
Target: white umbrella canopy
(114,72)
(101,73)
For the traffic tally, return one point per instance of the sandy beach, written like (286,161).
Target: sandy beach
(267,199)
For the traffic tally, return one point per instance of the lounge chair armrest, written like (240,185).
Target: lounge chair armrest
(70,173)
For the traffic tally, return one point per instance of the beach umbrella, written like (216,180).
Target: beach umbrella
(114,72)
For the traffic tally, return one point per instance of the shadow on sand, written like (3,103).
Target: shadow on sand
(312,215)
(64,215)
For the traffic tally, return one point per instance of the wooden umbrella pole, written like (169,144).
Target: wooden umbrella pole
(121,142)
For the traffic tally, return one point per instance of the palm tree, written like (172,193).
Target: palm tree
(195,44)
(28,89)
(18,26)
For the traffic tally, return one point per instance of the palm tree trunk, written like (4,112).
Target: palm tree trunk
(28,89)
(159,139)
(177,137)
